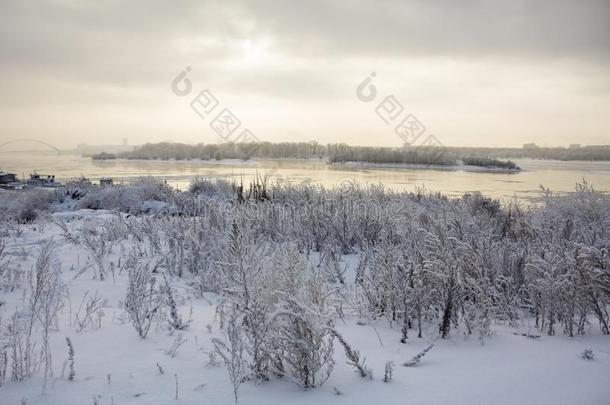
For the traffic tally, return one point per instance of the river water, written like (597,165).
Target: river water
(558,176)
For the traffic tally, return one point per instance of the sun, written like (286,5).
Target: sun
(254,52)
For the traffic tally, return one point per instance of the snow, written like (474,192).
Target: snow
(117,367)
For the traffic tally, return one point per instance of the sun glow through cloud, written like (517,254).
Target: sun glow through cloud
(255,52)
(281,64)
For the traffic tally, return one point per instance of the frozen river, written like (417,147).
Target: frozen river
(556,175)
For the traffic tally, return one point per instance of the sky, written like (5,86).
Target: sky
(472,73)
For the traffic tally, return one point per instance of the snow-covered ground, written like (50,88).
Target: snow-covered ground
(114,366)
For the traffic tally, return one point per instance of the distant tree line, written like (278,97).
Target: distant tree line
(413,155)
(290,150)
(181,151)
(103,156)
(589,153)
(490,162)
(339,152)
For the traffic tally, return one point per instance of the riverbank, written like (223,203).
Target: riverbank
(556,175)
(409,166)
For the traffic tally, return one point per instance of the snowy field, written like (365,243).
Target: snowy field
(494,316)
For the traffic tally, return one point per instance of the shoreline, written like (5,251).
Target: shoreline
(406,166)
(419,166)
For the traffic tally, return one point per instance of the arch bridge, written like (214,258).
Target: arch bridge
(30,140)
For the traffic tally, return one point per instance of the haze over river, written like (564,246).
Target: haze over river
(556,175)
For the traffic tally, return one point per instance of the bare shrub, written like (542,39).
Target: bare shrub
(587,354)
(3,366)
(389,370)
(175,320)
(417,358)
(353,357)
(173,349)
(22,347)
(141,301)
(89,313)
(232,352)
(71,372)
(99,246)
(48,299)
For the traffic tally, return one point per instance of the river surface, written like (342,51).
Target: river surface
(558,176)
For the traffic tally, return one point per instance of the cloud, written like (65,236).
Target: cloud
(55,32)
(547,28)
(440,57)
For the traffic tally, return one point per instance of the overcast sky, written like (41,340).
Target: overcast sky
(479,73)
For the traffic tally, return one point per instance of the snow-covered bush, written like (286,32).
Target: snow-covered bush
(89,313)
(71,372)
(417,358)
(278,259)
(98,244)
(389,370)
(142,300)
(25,206)
(22,346)
(283,309)
(3,366)
(7,283)
(138,197)
(232,352)
(462,264)
(44,299)
(353,357)
(245,294)
(175,320)
(304,341)
(587,354)
(179,340)
(48,294)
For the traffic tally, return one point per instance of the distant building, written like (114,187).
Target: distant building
(89,150)
(530,146)
(598,146)
(574,146)
(41,180)
(6,178)
(82,181)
